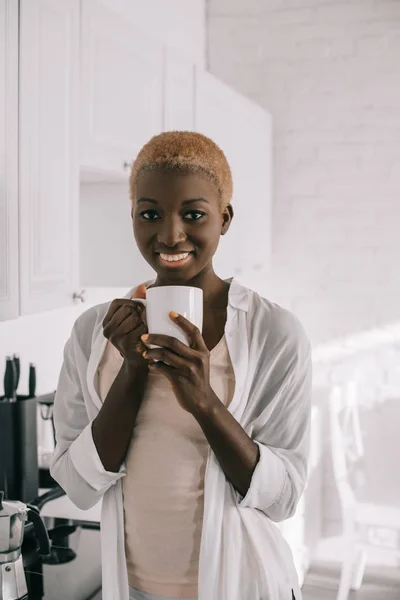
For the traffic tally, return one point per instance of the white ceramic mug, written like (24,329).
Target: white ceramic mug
(185,300)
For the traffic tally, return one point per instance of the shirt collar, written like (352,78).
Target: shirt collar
(238,294)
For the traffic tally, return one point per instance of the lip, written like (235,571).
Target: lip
(176,263)
(172,253)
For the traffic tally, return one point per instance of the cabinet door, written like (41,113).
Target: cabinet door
(253,189)
(49,169)
(121,90)
(9,306)
(216,113)
(178,91)
(243,131)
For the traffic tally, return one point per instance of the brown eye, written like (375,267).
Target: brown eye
(195,215)
(149,215)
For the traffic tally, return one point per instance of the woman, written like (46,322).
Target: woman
(195,455)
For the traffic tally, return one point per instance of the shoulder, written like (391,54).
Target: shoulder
(87,326)
(275,327)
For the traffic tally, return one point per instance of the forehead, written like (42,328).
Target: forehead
(174,186)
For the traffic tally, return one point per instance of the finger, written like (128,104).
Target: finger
(140,291)
(193,333)
(116,320)
(169,342)
(167,357)
(125,305)
(129,326)
(118,337)
(122,322)
(160,367)
(142,312)
(119,303)
(112,309)
(138,331)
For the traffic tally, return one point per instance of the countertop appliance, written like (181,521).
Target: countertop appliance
(62,563)
(19,477)
(19,474)
(20,525)
(46,436)
(66,564)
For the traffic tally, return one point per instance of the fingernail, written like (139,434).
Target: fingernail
(173,314)
(144,336)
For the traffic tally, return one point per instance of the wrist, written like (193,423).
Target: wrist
(207,407)
(135,368)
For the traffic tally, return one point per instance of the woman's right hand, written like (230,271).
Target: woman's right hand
(123,325)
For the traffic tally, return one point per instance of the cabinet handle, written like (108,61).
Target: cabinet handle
(127,165)
(79,296)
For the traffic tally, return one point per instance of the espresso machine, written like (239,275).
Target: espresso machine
(20,525)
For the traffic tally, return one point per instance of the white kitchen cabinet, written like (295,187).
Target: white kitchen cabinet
(48,153)
(9,289)
(216,110)
(254,196)
(121,91)
(109,255)
(243,131)
(178,91)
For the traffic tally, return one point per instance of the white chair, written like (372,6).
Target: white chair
(358,518)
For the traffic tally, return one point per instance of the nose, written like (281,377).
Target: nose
(171,232)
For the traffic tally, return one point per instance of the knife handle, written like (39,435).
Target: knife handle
(18,370)
(32,380)
(9,379)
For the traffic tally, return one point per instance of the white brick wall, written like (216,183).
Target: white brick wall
(329,72)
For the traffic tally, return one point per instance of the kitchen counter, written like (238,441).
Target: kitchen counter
(79,579)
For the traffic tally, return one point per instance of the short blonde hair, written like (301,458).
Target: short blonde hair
(186,151)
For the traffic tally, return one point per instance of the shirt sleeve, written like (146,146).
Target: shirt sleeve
(76,465)
(283,438)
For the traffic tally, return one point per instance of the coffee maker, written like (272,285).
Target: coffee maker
(20,525)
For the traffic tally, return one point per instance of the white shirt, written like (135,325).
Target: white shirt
(243,555)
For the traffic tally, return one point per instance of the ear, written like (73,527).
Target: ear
(227,216)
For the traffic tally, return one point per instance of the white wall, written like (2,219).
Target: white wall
(40,338)
(179,23)
(329,73)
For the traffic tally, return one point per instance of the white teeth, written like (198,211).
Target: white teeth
(174,257)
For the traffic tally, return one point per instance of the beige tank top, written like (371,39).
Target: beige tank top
(164,485)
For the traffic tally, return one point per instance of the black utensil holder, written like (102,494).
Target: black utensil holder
(19,473)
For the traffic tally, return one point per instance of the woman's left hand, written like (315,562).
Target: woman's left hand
(186,367)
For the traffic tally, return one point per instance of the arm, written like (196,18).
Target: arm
(113,426)
(273,475)
(269,471)
(76,464)
(236,452)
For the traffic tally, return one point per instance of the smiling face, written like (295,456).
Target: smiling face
(177,222)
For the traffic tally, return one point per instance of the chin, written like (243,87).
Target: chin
(175,275)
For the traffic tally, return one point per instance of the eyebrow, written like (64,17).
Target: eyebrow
(190,201)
